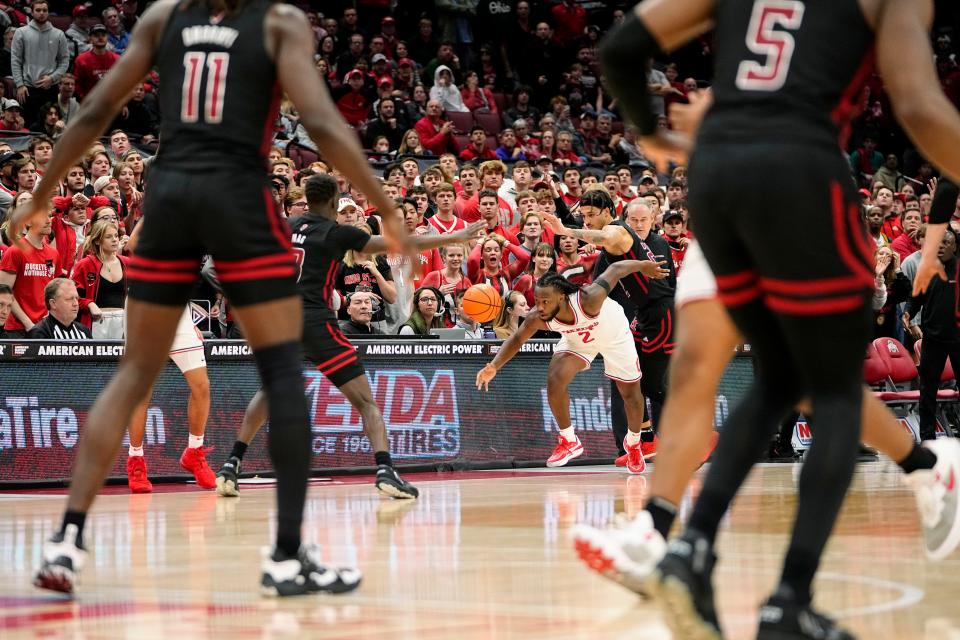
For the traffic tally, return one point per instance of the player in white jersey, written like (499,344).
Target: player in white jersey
(187,353)
(590,324)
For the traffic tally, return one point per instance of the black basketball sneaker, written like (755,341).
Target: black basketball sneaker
(389,483)
(303,574)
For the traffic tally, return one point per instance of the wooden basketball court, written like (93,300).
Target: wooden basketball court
(480,555)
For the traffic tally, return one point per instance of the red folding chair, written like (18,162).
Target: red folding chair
(462,122)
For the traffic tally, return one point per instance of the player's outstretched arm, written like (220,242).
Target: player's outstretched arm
(508,349)
(613,238)
(378,244)
(99,108)
(593,294)
(294,51)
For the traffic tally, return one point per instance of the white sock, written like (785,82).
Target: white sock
(632,438)
(568,434)
(135,452)
(194,442)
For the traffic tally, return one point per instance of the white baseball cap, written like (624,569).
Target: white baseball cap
(346,202)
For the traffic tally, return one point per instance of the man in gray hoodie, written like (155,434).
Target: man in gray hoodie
(39,56)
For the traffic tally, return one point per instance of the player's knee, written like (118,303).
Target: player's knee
(199,386)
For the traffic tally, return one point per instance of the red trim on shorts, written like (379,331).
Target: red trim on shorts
(634,381)
(278,226)
(738,298)
(257,274)
(737,280)
(338,336)
(660,341)
(341,365)
(185,350)
(155,276)
(190,264)
(339,356)
(843,244)
(829,306)
(810,287)
(252,263)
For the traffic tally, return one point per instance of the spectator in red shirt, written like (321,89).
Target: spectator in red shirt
(491,177)
(102,265)
(485,263)
(94,64)
(571,178)
(478,149)
(12,117)
(476,97)
(571,21)
(445,220)
(450,279)
(564,154)
(544,260)
(436,134)
(469,185)
(883,198)
(908,242)
(571,264)
(353,99)
(675,233)
(27,267)
(488,208)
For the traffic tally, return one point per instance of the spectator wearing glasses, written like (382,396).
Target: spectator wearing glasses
(295,203)
(427,313)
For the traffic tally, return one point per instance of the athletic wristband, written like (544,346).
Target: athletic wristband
(624,54)
(944,202)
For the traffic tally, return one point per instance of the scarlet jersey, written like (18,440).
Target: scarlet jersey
(581,272)
(223,96)
(34,269)
(446,227)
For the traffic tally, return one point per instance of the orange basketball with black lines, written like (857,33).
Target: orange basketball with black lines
(482,303)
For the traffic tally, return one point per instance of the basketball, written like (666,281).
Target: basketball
(482,303)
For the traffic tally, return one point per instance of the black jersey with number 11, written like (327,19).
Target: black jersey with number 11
(220,96)
(787,70)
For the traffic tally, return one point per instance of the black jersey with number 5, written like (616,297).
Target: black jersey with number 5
(220,96)
(787,70)
(319,245)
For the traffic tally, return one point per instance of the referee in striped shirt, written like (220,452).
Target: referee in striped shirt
(63,305)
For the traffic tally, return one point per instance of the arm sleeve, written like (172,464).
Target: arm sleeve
(625,48)
(944,202)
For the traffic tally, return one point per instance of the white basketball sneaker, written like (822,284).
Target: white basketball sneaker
(626,552)
(936,491)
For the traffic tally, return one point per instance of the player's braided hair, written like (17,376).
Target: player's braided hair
(598,198)
(558,282)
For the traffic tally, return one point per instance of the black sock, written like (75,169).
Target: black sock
(918,458)
(239,448)
(798,572)
(77,518)
(663,514)
(289,437)
(647,435)
(708,513)
(383,458)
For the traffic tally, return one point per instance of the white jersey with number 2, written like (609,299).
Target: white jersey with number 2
(607,334)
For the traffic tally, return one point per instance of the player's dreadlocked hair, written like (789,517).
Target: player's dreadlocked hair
(558,282)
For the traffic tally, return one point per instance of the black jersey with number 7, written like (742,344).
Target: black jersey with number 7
(227,103)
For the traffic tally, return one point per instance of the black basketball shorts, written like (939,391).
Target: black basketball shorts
(330,352)
(227,213)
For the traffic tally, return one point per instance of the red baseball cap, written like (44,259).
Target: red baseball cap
(405,62)
(82,9)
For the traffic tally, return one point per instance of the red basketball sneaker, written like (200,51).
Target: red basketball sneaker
(633,459)
(137,478)
(565,452)
(195,461)
(649,449)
